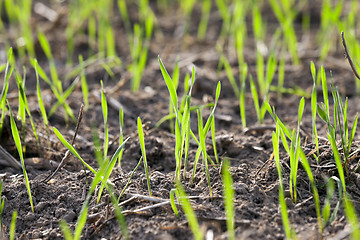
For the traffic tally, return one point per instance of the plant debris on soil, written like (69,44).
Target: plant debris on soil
(255,177)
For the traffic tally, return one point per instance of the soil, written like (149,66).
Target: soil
(256,183)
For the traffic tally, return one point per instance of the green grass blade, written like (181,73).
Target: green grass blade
(351,217)
(228,200)
(16,136)
(202,137)
(65,229)
(105,116)
(72,149)
(337,161)
(81,223)
(12,225)
(174,192)
(189,213)
(283,207)
(142,146)
(170,85)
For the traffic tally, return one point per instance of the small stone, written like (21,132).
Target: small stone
(29,217)
(59,212)
(240,188)
(289,202)
(40,206)
(69,216)
(36,234)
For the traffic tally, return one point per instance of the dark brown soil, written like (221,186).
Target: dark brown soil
(254,173)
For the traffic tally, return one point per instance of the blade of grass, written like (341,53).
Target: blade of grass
(229,195)
(16,137)
(142,146)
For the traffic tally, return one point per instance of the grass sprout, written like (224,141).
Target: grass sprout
(351,217)
(25,106)
(314,108)
(16,137)
(128,182)
(189,212)
(340,121)
(61,97)
(174,192)
(121,140)
(229,197)
(8,71)
(142,146)
(2,203)
(84,85)
(13,225)
(289,231)
(105,116)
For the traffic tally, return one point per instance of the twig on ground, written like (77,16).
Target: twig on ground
(348,56)
(63,161)
(9,159)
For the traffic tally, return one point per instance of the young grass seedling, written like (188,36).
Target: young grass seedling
(289,231)
(105,116)
(229,198)
(61,97)
(314,108)
(121,139)
(41,104)
(340,121)
(174,192)
(12,225)
(16,137)
(2,203)
(351,217)
(189,212)
(142,146)
(205,14)
(25,106)
(202,137)
(84,85)
(8,71)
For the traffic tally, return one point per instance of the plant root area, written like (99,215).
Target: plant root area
(253,170)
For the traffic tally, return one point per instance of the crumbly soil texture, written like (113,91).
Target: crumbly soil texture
(253,170)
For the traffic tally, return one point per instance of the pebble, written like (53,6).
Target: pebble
(69,216)
(289,202)
(241,188)
(40,206)
(59,212)
(29,217)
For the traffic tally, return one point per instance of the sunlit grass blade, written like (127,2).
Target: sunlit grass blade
(25,104)
(8,71)
(66,230)
(84,85)
(16,137)
(105,116)
(242,103)
(229,198)
(174,192)
(121,140)
(12,225)
(337,161)
(128,182)
(351,217)
(71,149)
(81,222)
(283,208)
(110,167)
(202,137)
(40,101)
(142,146)
(189,212)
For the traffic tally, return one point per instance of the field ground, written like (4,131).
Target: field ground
(254,173)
